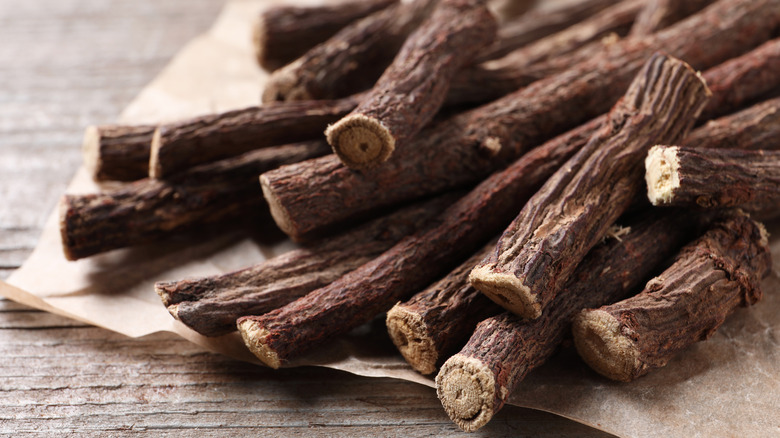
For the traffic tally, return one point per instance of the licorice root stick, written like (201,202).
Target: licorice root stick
(709,280)
(178,146)
(474,384)
(724,178)
(412,89)
(577,205)
(148,209)
(118,152)
(211,305)
(658,14)
(434,323)
(283,33)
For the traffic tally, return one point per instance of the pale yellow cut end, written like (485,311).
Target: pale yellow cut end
(507,291)
(278,212)
(410,335)
(90,151)
(282,85)
(174,311)
(254,335)
(661,174)
(165,297)
(599,342)
(466,389)
(155,168)
(360,142)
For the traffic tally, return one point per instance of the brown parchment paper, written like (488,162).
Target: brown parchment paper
(726,386)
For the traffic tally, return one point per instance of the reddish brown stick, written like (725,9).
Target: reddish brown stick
(710,279)
(505,348)
(469,146)
(658,14)
(740,80)
(577,205)
(614,19)
(283,33)
(180,146)
(149,209)
(705,178)
(211,305)
(478,84)
(757,127)
(434,323)
(330,71)
(410,92)
(413,263)
(117,152)
(535,25)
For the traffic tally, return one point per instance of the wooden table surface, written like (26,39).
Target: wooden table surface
(65,64)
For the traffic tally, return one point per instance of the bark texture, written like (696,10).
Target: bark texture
(412,264)
(352,59)
(756,127)
(117,152)
(149,209)
(736,18)
(658,14)
(743,79)
(505,348)
(179,146)
(686,304)
(283,33)
(726,178)
(412,89)
(535,25)
(574,209)
(211,305)
(435,323)
(467,147)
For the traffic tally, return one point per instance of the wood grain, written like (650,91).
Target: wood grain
(79,62)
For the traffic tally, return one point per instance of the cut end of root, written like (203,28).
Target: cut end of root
(278,212)
(90,151)
(155,168)
(254,337)
(283,86)
(360,142)
(661,174)
(174,311)
(410,336)
(603,347)
(162,292)
(507,291)
(466,389)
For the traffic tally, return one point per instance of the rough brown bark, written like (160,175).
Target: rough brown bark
(711,277)
(658,14)
(614,19)
(756,127)
(434,323)
(743,79)
(410,92)
(469,146)
(351,60)
(117,152)
(726,178)
(682,40)
(412,264)
(211,305)
(535,25)
(283,33)
(577,205)
(505,348)
(149,209)
(179,146)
